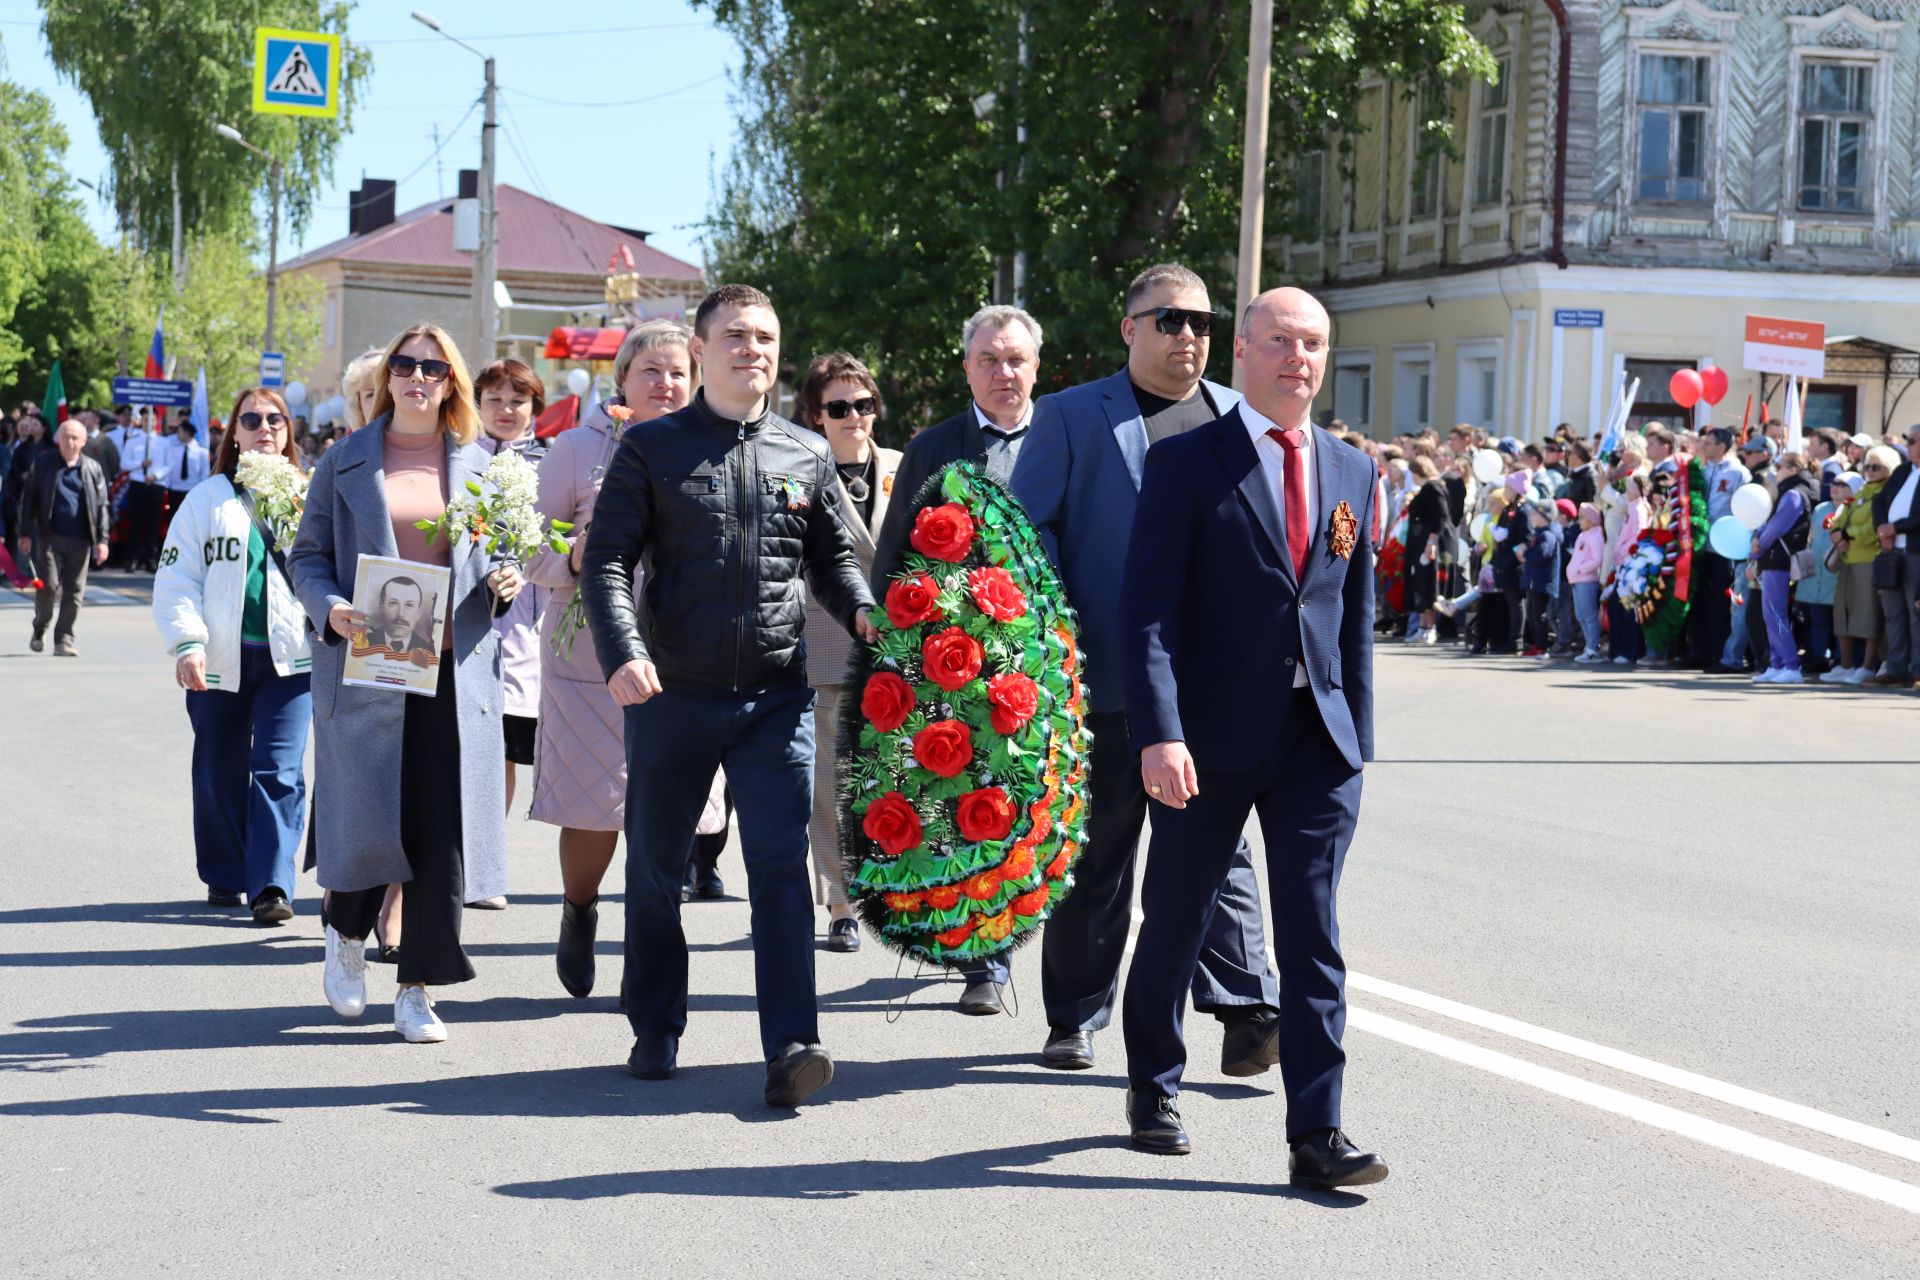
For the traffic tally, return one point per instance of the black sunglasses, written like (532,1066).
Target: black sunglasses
(252,421)
(1170,320)
(431,370)
(838,409)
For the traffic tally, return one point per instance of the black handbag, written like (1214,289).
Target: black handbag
(1886,570)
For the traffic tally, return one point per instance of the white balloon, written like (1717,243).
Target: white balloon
(339,404)
(296,393)
(1751,505)
(1487,467)
(578,380)
(1477,527)
(322,413)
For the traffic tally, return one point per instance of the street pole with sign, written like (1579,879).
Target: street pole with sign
(485,259)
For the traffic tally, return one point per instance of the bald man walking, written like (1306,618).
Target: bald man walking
(1247,649)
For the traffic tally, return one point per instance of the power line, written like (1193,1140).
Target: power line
(431,157)
(630,102)
(540,35)
(540,187)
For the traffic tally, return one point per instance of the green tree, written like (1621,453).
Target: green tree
(216,321)
(159,76)
(880,194)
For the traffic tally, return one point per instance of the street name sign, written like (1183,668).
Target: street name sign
(153,391)
(296,73)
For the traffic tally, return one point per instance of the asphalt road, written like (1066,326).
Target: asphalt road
(1634,995)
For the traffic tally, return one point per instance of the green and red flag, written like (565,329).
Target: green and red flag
(54,408)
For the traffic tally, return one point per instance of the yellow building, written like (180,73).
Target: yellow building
(1717,160)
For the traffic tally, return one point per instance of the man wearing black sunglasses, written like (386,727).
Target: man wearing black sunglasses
(1079,479)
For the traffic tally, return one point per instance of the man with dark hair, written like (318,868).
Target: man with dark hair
(1582,486)
(396,616)
(1079,479)
(1823,450)
(732,507)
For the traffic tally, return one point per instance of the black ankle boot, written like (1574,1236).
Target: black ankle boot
(573,956)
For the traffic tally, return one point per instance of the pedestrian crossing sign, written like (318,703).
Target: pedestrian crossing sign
(296,73)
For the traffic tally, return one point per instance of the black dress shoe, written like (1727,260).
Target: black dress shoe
(1326,1160)
(800,1071)
(981,998)
(222,898)
(272,907)
(1252,1044)
(1155,1121)
(703,883)
(844,936)
(1067,1050)
(573,954)
(653,1062)
(1720,669)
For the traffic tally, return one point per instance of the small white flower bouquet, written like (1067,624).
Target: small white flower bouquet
(498,512)
(279,492)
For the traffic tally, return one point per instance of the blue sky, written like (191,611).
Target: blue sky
(572,128)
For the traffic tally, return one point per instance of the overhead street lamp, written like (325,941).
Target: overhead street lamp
(232,135)
(485,260)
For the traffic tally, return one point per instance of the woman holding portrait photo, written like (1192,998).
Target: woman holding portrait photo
(399,807)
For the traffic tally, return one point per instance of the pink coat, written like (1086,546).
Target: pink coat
(1588,551)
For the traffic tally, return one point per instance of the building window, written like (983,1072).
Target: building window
(1479,391)
(1309,194)
(1832,405)
(1490,140)
(1652,406)
(1423,187)
(1353,391)
(1412,393)
(1836,102)
(1674,99)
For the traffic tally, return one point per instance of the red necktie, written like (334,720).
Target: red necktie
(1294,493)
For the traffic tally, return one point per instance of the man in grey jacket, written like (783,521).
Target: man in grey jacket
(65,523)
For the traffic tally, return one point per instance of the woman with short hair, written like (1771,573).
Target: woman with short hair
(841,400)
(400,806)
(238,638)
(360,386)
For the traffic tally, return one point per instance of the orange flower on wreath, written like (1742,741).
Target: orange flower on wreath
(944,898)
(1033,901)
(981,885)
(902,901)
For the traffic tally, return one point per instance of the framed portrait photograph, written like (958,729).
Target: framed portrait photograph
(400,646)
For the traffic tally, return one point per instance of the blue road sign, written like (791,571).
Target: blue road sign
(296,73)
(153,391)
(273,368)
(1572,318)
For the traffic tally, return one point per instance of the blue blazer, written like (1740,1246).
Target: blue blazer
(1079,479)
(1213,619)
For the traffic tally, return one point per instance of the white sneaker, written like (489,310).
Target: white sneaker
(1444,607)
(1623,661)
(1833,675)
(1588,657)
(414,1018)
(1430,636)
(1859,675)
(346,975)
(1788,675)
(1766,677)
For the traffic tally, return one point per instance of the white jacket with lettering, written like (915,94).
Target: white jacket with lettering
(200,591)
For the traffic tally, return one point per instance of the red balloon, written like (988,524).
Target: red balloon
(1685,387)
(1713,382)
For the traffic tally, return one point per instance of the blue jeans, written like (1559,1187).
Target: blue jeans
(249,781)
(1586,603)
(675,741)
(1736,650)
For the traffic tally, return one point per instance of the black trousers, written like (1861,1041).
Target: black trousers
(1710,614)
(1539,619)
(1086,940)
(430,832)
(143,523)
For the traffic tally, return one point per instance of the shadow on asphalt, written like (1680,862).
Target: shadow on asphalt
(996,1168)
(565,1092)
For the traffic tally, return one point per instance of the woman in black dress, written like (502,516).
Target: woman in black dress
(1430,547)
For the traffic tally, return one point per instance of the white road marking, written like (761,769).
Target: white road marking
(1833,1126)
(1846,1177)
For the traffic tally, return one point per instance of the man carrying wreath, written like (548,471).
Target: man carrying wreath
(732,506)
(1247,647)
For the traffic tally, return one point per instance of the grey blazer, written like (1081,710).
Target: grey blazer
(357,732)
(828,643)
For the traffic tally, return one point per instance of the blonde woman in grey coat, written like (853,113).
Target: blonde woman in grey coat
(841,400)
(410,788)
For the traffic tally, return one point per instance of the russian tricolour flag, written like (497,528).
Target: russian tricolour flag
(157,353)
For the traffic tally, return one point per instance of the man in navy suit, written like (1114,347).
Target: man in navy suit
(1247,649)
(1079,478)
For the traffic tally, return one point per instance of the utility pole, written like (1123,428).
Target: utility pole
(1020,157)
(233,135)
(1253,177)
(485,261)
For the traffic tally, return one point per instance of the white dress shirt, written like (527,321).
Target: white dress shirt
(140,454)
(1273,463)
(167,456)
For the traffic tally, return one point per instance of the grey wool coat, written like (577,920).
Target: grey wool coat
(357,732)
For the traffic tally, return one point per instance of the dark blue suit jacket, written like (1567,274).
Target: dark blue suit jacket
(1079,478)
(1213,619)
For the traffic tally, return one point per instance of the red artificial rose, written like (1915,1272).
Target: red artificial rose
(911,601)
(1013,697)
(1031,902)
(944,747)
(985,814)
(952,658)
(943,532)
(944,898)
(993,590)
(892,823)
(887,701)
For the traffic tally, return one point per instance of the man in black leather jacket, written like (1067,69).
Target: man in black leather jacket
(730,506)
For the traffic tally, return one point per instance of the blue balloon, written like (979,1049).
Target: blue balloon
(1730,538)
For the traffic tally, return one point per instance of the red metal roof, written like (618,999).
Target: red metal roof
(536,236)
(566,343)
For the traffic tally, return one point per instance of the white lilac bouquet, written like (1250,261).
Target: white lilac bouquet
(497,512)
(279,492)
